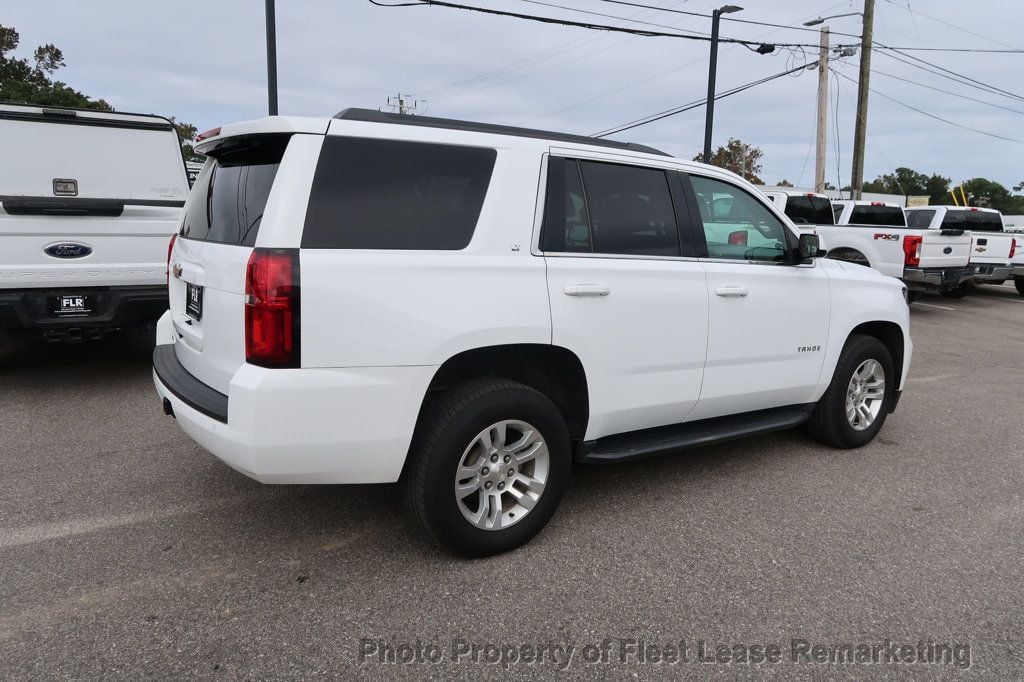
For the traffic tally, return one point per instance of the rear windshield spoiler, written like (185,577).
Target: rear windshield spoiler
(110,208)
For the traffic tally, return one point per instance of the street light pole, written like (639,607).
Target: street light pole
(271,59)
(709,115)
(863,83)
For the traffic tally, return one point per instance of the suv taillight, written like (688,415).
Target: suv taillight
(272,308)
(170,248)
(912,250)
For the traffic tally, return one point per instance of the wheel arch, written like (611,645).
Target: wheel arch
(890,334)
(849,254)
(555,371)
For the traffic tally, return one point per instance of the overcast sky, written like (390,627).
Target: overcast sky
(204,62)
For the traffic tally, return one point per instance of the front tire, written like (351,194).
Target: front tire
(853,409)
(488,465)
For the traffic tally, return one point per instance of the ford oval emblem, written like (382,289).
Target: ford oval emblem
(68,250)
(948,250)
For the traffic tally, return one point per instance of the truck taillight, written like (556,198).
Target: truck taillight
(170,248)
(1013,247)
(272,308)
(912,250)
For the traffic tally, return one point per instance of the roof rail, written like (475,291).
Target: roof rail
(374,116)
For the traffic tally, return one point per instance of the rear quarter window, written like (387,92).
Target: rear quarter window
(387,194)
(922,219)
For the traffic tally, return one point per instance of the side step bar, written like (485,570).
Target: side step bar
(649,442)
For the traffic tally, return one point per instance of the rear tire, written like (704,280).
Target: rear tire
(831,423)
(1019,283)
(467,439)
(959,292)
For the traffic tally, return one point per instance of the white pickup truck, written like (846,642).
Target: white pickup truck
(875,234)
(992,249)
(88,203)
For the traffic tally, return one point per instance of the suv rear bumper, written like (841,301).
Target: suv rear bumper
(937,279)
(29,311)
(306,425)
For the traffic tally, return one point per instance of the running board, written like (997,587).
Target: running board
(649,442)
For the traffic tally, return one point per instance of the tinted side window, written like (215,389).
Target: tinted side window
(736,225)
(837,210)
(230,195)
(630,210)
(983,221)
(566,223)
(878,215)
(810,210)
(385,194)
(920,219)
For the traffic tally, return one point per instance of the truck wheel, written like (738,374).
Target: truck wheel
(857,401)
(1019,283)
(487,467)
(958,292)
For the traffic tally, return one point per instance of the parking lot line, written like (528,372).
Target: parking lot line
(932,305)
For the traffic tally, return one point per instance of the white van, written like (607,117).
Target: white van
(88,202)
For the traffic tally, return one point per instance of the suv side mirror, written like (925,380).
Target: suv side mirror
(809,247)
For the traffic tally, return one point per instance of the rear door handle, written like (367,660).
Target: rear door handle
(731,292)
(586,290)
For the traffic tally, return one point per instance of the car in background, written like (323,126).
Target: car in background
(992,250)
(86,212)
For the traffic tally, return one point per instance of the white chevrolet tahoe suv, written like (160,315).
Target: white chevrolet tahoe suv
(88,200)
(469,309)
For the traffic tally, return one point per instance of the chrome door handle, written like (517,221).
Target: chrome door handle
(585,290)
(731,292)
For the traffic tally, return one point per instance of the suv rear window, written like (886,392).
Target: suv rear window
(810,210)
(976,221)
(387,194)
(231,193)
(878,215)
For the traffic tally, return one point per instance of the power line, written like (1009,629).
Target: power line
(583,24)
(947,92)
(931,115)
(946,73)
(651,118)
(951,25)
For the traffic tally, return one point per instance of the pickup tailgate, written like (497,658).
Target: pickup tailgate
(945,249)
(991,248)
(84,245)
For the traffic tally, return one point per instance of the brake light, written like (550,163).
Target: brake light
(272,308)
(207,134)
(1013,247)
(878,203)
(912,250)
(738,238)
(170,248)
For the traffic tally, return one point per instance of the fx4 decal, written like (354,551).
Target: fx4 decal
(887,237)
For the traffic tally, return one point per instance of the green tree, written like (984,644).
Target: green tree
(908,182)
(28,81)
(990,194)
(738,157)
(783,183)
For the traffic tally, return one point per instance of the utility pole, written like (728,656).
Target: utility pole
(863,83)
(822,137)
(709,115)
(271,59)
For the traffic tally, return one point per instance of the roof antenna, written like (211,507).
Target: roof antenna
(404,105)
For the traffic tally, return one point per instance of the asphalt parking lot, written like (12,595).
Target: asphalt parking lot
(127,551)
